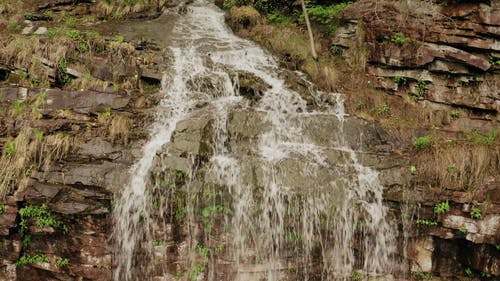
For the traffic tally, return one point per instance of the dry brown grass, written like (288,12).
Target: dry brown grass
(119,129)
(88,82)
(244,16)
(458,165)
(28,152)
(27,54)
(322,73)
(16,158)
(291,43)
(111,8)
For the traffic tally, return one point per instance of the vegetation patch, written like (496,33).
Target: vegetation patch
(42,217)
(422,142)
(25,259)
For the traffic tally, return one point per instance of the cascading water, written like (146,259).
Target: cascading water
(295,204)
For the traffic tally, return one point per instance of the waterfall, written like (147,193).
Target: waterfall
(293,203)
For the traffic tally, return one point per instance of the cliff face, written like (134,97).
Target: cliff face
(446,58)
(74,112)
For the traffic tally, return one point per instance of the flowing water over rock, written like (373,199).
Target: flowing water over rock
(253,169)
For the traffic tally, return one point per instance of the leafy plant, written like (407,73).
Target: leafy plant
(421,89)
(14,27)
(3,208)
(463,229)
(119,38)
(70,21)
(421,275)
(426,222)
(29,16)
(278,19)
(38,135)
(413,169)
(357,276)
(203,251)
(10,148)
(158,243)
(493,60)
(422,142)
(383,109)
(325,16)
(336,50)
(61,67)
(119,16)
(17,107)
(475,213)
(28,171)
(400,80)
(293,237)
(206,215)
(195,271)
(27,240)
(42,215)
(485,275)
(31,259)
(485,139)
(62,262)
(359,105)
(454,114)
(228,5)
(442,207)
(400,38)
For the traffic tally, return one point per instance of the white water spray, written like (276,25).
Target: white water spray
(292,197)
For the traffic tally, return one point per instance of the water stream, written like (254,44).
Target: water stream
(295,205)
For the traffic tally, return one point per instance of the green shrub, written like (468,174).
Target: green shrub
(228,5)
(421,275)
(400,80)
(400,38)
(14,27)
(357,276)
(442,208)
(325,16)
(278,19)
(383,109)
(17,107)
(454,114)
(31,259)
(475,213)
(485,139)
(62,262)
(426,222)
(42,215)
(10,148)
(422,142)
(493,60)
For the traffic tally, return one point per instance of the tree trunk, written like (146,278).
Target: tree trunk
(309,30)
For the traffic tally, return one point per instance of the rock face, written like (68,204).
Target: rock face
(451,49)
(443,56)
(77,184)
